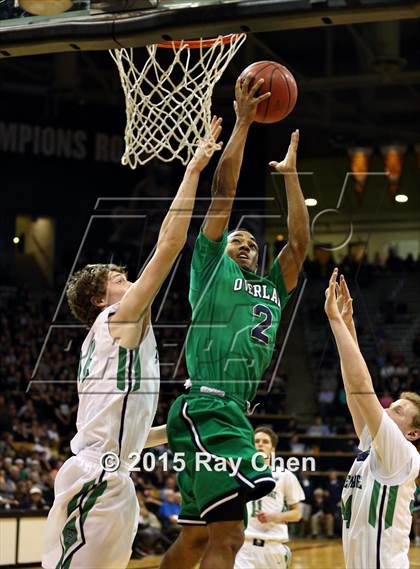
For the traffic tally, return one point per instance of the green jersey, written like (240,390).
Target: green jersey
(235,317)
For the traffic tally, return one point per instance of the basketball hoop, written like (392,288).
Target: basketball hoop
(168,108)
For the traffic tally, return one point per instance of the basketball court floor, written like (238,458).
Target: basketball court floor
(307,554)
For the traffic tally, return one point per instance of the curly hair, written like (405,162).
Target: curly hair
(89,281)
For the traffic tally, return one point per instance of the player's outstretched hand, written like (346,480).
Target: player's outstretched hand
(246,99)
(288,165)
(331,306)
(208,146)
(344,301)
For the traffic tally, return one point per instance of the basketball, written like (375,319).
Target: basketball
(282,85)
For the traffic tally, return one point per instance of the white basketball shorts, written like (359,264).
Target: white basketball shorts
(93,521)
(271,555)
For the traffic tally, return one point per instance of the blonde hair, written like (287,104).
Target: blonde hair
(414,398)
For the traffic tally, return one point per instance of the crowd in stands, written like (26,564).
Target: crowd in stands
(37,419)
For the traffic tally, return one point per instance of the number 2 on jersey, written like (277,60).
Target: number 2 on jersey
(258,332)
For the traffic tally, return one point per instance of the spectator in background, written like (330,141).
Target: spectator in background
(307,487)
(334,488)
(149,538)
(322,514)
(169,485)
(37,501)
(318,428)
(295,445)
(168,513)
(326,399)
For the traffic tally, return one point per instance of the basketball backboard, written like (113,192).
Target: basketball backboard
(112,24)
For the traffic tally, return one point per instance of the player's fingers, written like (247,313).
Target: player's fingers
(337,290)
(333,278)
(248,78)
(263,97)
(255,87)
(216,128)
(342,289)
(294,140)
(244,84)
(345,287)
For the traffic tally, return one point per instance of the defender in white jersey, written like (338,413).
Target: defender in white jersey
(266,534)
(381,483)
(93,521)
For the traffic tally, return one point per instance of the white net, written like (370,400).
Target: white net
(168,107)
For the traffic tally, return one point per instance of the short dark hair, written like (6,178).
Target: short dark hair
(266,430)
(244,229)
(89,281)
(240,229)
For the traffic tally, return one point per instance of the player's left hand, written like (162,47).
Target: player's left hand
(288,165)
(331,306)
(207,147)
(265,517)
(344,301)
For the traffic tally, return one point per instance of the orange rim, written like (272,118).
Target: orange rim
(196,44)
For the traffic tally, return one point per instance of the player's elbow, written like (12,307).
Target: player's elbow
(298,516)
(296,513)
(299,245)
(170,247)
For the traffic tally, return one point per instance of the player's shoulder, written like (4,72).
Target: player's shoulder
(100,326)
(282,475)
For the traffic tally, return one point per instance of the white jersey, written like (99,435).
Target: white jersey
(118,392)
(286,492)
(376,500)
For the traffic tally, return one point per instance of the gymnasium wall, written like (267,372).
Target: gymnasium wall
(21,538)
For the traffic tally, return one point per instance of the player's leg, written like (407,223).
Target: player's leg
(187,550)
(277,556)
(225,540)
(189,546)
(248,557)
(93,520)
(316,524)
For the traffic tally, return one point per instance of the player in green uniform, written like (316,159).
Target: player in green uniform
(236,314)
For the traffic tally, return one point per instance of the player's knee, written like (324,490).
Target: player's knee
(195,537)
(231,537)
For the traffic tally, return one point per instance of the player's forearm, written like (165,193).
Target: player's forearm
(289,517)
(176,223)
(226,176)
(355,371)
(298,217)
(352,329)
(157,436)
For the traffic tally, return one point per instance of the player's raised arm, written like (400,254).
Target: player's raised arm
(345,306)
(226,176)
(356,375)
(293,254)
(126,324)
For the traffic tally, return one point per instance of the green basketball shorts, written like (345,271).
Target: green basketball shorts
(214,437)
